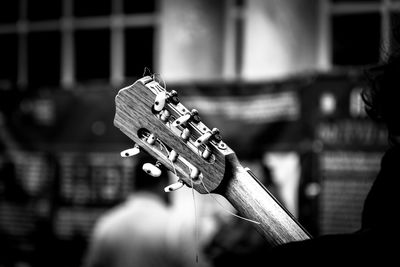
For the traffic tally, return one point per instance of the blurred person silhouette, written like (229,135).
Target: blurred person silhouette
(376,242)
(135,233)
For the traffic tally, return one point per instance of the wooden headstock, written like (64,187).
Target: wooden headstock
(156,121)
(174,135)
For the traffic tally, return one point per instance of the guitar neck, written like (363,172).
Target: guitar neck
(179,130)
(255,202)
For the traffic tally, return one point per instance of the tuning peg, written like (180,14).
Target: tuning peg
(159,102)
(174,186)
(203,139)
(195,116)
(194,173)
(185,134)
(181,120)
(130,152)
(206,137)
(173,97)
(206,153)
(165,115)
(151,139)
(152,170)
(173,156)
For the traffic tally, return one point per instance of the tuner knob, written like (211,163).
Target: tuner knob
(151,139)
(152,170)
(174,186)
(185,134)
(173,97)
(194,173)
(195,116)
(173,156)
(206,153)
(216,135)
(130,152)
(159,102)
(165,115)
(182,120)
(203,139)
(206,137)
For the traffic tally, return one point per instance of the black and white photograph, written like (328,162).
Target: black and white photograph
(199,133)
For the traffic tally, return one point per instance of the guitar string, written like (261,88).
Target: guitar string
(209,193)
(155,76)
(219,203)
(146,70)
(196,226)
(224,208)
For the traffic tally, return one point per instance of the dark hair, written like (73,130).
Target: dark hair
(142,180)
(382,94)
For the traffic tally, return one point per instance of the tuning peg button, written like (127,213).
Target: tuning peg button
(206,153)
(173,156)
(173,97)
(195,116)
(203,139)
(130,152)
(151,139)
(185,134)
(194,173)
(174,186)
(206,137)
(152,170)
(159,102)
(165,115)
(181,120)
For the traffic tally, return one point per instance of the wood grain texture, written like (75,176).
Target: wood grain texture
(223,175)
(134,112)
(255,202)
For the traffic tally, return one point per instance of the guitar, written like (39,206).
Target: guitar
(160,124)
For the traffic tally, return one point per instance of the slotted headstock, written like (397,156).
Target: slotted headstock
(174,135)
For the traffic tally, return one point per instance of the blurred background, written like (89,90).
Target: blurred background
(288,72)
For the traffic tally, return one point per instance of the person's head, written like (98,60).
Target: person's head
(382,96)
(144,182)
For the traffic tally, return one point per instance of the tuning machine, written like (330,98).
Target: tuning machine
(152,169)
(173,97)
(159,102)
(162,98)
(182,121)
(130,151)
(206,153)
(173,156)
(151,139)
(164,115)
(205,138)
(174,186)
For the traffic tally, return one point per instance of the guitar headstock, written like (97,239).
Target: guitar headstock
(160,124)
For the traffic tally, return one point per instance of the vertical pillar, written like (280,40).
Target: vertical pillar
(117,44)
(67,47)
(191,35)
(280,38)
